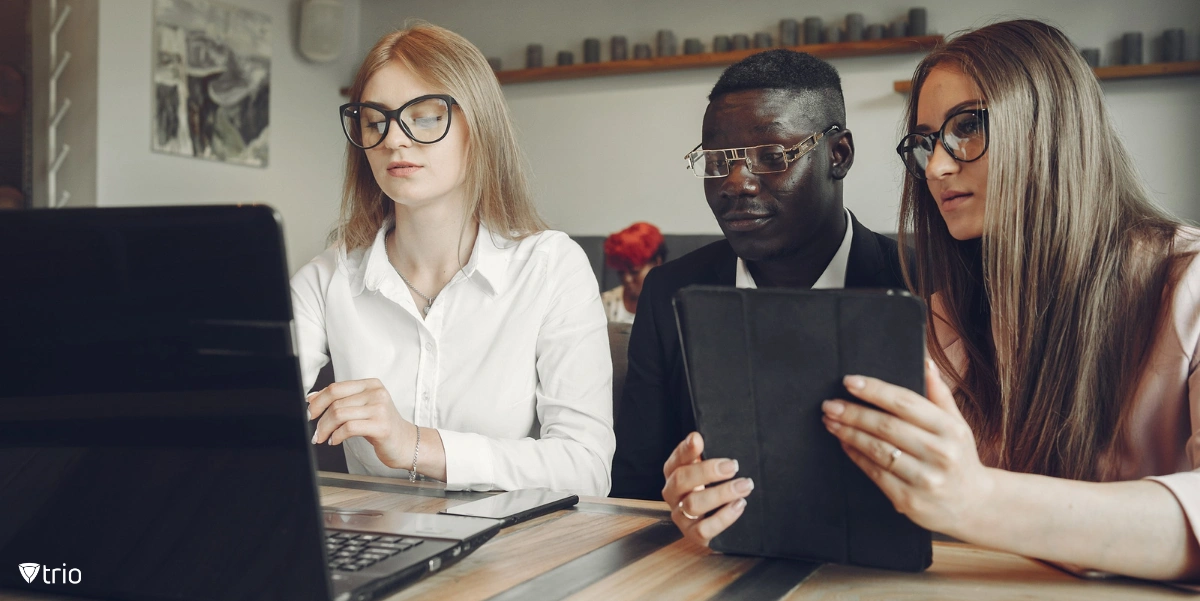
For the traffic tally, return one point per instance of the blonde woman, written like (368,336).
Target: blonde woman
(468,342)
(1064,315)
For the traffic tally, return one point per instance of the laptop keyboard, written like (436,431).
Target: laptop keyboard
(354,551)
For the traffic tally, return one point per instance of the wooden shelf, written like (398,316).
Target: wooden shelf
(904,86)
(710,59)
(714,59)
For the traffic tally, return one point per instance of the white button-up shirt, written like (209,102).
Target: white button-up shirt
(511,365)
(834,275)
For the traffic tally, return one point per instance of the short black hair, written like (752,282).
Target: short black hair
(781,69)
(661,253)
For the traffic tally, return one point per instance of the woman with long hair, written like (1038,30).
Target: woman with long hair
(468,342)
(1064,313)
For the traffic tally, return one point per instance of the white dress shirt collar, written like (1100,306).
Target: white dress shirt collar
(834,275)
(369,267)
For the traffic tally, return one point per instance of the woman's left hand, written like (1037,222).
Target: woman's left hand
(363,408)
(919,451)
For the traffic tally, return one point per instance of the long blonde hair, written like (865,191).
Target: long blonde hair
(1057,305)
(497,189)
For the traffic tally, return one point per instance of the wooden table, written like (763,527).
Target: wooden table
(609,550)
(622,550)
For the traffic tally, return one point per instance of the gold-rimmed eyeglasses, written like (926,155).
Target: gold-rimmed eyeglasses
(768,158)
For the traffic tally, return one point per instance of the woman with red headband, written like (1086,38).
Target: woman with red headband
(632,253)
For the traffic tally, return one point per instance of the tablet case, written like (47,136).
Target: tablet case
(759,363)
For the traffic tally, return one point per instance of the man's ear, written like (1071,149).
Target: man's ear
(843,154)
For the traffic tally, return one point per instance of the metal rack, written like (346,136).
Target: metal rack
(55,156)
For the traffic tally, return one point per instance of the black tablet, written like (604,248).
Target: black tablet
(759,363)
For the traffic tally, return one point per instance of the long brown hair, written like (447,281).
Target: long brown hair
(1058,303)
(497,182)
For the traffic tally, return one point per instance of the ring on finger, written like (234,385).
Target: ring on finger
(686,514)
(895,454)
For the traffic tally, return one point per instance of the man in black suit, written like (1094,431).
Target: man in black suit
(774,150)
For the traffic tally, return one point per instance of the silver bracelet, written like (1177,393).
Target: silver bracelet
(412,474)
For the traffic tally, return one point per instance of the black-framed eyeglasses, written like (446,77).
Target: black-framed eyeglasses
(424,119)
(769,158)
(964,135)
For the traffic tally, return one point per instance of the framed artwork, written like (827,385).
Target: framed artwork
(212,82)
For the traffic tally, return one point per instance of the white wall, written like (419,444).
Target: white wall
(639,126)
(304,176)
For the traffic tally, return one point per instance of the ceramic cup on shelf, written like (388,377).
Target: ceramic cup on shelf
(619,48)
(762,39)
(1091,56)
(591,50)
(722,43)
(1131,48)
(667,46)
(741,41)
(918,22)
(533,56)
(789,32)
(812,30)
(641,51)
(854,27)
(1172,46)
(566,58)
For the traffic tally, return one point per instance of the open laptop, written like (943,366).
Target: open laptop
(153,438)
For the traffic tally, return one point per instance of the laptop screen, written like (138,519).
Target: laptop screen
(152,429)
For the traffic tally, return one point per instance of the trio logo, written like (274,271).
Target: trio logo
(29,571)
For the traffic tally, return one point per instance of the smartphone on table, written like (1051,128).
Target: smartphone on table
(515,506)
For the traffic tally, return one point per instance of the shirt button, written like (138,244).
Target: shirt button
(429,346)
(425,395)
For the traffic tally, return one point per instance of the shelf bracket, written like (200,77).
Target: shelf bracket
(56,155)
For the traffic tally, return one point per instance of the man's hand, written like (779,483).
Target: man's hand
(692,497)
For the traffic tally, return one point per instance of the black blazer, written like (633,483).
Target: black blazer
(656,407)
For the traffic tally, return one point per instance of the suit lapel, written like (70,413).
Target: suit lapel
(866,261)
(724,272)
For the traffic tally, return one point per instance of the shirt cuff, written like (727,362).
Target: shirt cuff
(468,461)
(1186,488)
